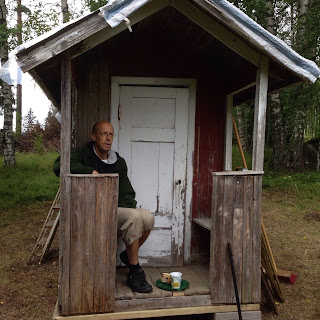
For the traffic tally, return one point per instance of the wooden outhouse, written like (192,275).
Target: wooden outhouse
(168,87)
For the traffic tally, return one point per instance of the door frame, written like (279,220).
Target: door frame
(191,84)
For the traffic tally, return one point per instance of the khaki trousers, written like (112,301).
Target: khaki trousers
(132,223)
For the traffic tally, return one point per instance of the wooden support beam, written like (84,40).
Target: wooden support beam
(228,135)
(215,29)
(260,115)
(65,181)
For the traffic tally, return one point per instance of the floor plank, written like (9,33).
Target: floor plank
(123,292)
(197,285)
(202,271)
(196,275)
(154,274)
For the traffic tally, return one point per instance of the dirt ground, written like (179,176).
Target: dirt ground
(30,291)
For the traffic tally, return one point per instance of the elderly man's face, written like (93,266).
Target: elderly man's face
(103,137)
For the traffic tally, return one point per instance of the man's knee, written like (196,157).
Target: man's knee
(148,218)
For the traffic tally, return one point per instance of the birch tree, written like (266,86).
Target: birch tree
(19,86)
(8,148)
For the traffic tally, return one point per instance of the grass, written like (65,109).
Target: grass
(305,185)
(31,181)
(291,214)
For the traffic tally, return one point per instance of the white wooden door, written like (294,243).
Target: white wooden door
(153,138)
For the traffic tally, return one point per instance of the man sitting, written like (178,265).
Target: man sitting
(134,224)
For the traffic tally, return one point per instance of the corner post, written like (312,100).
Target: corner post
(228,135)
(260,115)
(64,244)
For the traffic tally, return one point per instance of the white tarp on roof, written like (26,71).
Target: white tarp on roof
(10,71)
(118,10)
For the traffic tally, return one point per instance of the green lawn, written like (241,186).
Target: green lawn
(31,181)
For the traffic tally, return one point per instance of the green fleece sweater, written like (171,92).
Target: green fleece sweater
(84,161)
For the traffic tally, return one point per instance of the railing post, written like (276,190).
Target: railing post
(92,238)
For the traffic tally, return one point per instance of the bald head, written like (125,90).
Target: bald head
(97,126)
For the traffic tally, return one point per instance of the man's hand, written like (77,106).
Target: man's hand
(95,172)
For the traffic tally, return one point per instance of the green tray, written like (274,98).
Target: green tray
(167,286)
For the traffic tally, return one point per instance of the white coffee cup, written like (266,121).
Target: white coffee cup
(176,280)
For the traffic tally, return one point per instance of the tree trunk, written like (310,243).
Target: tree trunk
(8,148)
(300,106)
(19,87)
(65,11)
(275,105)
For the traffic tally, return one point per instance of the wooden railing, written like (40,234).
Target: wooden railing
(236,207)
(235,218)
(88,241)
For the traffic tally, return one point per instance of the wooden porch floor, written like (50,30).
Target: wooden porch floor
(196,275)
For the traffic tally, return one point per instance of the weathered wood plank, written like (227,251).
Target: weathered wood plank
(64,240)
(217,251)
(256,236)
(226,284)
(161,312)
(30,58)
(76,253)
(260,115)
(228,134)
(110,242)
(99,238)
(93,208)
(88,223)
(247,263)
(237,241)
(64,245)
(163,303)
(236,219)
(202,271)
(197,285)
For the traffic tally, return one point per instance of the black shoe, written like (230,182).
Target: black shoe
(124,258)
(136,280)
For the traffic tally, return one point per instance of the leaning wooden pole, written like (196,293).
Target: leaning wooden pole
(239,143)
